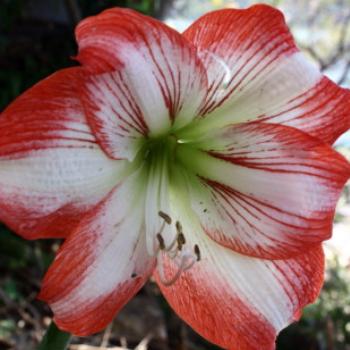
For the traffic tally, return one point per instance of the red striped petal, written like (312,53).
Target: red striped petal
(101,265)
(267,190)
(145,77)
(256,72)
(323,111)
(239,302)
(51,169)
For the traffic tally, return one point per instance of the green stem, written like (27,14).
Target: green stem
(54,339)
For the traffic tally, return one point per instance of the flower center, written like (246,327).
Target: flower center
(164,235)
(157,148)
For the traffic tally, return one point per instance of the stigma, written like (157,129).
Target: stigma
(178,251)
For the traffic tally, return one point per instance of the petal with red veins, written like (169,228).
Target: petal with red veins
(236,301)
(266,190)
(101,265)
(242,303)
(255,71)
(323,111)
(144,77)
(52,170)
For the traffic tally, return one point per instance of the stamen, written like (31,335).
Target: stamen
(197,252)
(176,251)
(175,277)
(180,240)
(165,217)
(161,241)
(191,263)
(178,227)
(183,257)
(167,220)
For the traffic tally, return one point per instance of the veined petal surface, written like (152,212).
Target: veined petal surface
(255,71)
(236,301)
(52,170)
(266,190)
(145,78)
(102,264)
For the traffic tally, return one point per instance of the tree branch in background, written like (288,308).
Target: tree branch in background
(337,54)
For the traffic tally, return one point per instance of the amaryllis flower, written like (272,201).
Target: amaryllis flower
(203,158)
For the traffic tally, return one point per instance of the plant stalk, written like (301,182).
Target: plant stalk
(54,339)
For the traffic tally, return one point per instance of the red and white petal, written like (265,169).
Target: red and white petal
(51,169)
(238,302)
(145,77)
(323,111)
(266,190)
(255,71)
(101,265)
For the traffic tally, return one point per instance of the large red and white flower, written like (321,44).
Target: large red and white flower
(203,158)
